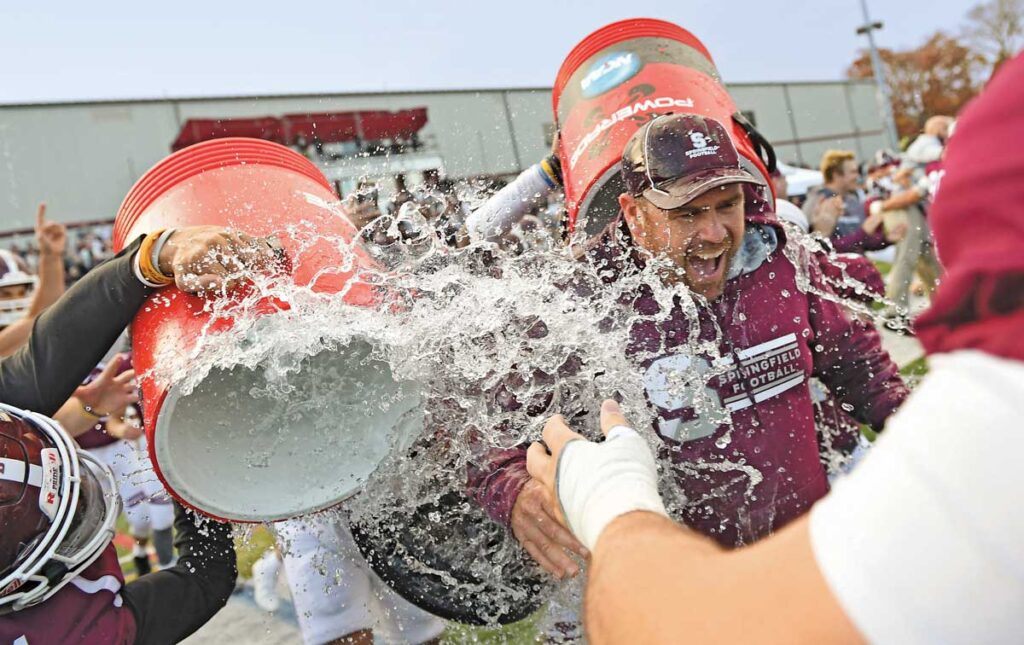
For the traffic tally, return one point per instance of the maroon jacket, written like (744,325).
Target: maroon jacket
(774,337)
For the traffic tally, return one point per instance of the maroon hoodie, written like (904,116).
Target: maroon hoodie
(979,227)
(773,338)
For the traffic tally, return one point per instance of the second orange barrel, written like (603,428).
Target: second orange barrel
(615,80)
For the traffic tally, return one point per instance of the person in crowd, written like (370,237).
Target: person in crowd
(24,296)
(710,219)
(878,178)
(928,146)
(400,197)
(936,557)
(779,183)
(908,204)
(837,210)
(60,580)
(786,210)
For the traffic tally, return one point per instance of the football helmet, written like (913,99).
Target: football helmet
(58,506)
(14,273)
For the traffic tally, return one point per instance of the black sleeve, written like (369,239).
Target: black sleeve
(171,604)
(72,336)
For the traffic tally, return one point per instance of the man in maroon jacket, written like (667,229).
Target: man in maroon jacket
(748,463)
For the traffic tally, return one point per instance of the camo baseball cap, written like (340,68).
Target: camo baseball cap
(675,158)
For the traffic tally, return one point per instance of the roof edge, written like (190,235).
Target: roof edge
(321,95)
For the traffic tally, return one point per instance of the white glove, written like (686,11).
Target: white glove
(598,482)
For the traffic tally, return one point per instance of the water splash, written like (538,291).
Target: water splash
(494,342)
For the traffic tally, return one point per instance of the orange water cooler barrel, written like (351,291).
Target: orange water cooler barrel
(615,80)
(220,449)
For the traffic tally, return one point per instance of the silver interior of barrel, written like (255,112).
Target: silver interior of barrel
(239,448)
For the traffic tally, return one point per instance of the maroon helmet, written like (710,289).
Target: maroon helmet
(14,273)
(58,506)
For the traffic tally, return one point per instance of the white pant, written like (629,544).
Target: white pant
(336,593)
(146,504)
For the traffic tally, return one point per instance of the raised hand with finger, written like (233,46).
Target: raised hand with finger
(50,236)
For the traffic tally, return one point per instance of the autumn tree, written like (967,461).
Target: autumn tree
(939,77)
(996,30)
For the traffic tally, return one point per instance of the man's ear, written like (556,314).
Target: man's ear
(633,215)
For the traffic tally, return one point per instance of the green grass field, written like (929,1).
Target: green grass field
(260,539)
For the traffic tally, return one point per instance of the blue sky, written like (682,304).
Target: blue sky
(62,50)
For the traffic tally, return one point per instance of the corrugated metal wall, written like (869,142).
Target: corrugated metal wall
(82,158)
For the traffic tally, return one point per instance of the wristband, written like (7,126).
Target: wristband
(553,168)
(147,273)
(598,482)
(88,412)
(158,246)
(140,277)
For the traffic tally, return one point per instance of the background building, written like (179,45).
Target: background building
(82,158)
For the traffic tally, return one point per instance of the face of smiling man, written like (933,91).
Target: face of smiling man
(699,238)
(684,198)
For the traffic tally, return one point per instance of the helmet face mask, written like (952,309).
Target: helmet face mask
(16,285)
(67,506)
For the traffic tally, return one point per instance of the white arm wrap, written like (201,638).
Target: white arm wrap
(598,482)
(510,204)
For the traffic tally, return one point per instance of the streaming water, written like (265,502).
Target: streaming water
(487,345)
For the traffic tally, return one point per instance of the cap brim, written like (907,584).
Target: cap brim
(681,191)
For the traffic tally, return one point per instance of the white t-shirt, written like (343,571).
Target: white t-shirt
(924,541)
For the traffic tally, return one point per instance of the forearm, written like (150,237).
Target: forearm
(850,360)
(51,283)
(505,208)
(860,241)
(73,417)
(638,567)
(852,243)
(206,551)
(13,336)
(866,379)
(175,602)
(72,336)
(653,581)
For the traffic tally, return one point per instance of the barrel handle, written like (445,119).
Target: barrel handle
(764,149)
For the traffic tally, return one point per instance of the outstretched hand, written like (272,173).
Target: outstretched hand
(536,524)
(211,258)
(110,392)
(543,465)
(590,484)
